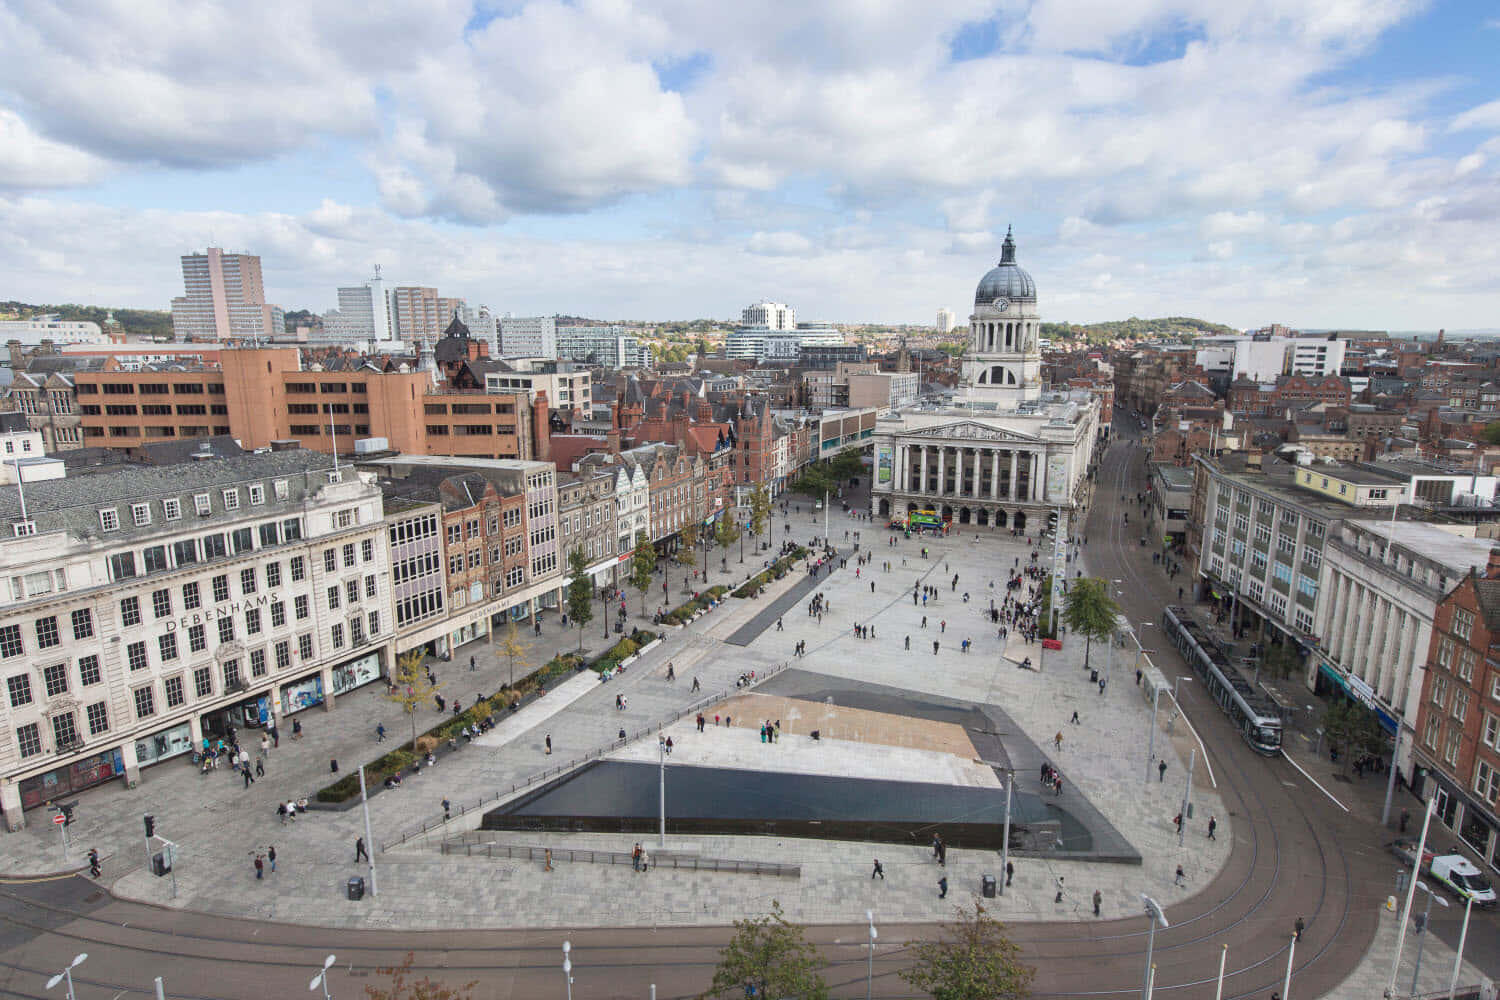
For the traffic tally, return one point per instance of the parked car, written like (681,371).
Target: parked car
(1406,849)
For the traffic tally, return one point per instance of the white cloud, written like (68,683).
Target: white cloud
(29,161)
(780,244)
(1485,117)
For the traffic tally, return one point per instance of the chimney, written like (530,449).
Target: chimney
(1492,569)
(17,355)
(541,429)
(612,441)
(614,414)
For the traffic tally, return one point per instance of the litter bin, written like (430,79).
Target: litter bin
(357,887)
(1094,676)
(987,887)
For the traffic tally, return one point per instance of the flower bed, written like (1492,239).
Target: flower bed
(680,615)
(404,756)
(626,647)
(775,571)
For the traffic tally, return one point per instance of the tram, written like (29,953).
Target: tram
(1256,716)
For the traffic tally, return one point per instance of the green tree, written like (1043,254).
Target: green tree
(580,593)
(1279,659)
(1491,432)
(816,480)
(973,960)
(1354,730)
(687,552)
(847,464)
(512,648)
(1089,611)
(774,956)
(405,987)
(642,566)
(410,687)
(760,512)
(725,533)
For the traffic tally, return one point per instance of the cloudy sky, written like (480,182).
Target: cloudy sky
(1314,162)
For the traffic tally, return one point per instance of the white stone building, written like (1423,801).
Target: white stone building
(145,608)
(1000,452)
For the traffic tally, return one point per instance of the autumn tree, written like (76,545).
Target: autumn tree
(512,648)
(405,986)
(772,955)
(725,533)
(687,552)
(972,960)
(580,593)
(760,512)
(410,686)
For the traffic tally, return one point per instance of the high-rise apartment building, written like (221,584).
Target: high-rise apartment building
(945,320)
(366,310)
(225,299)
(421,314)
(528,337)
(771,315)
(606,346)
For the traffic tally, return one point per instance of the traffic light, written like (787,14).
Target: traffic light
(67,813)
(150,825)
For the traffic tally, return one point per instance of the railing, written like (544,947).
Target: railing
(679,862)
(461,809)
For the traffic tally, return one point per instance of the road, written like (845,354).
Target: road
(1295,854)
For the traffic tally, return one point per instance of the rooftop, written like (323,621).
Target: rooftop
(1457,551)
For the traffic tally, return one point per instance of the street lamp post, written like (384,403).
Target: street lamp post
(1291,953)
(568,967)
(661,753)
(1156,916)
(1223,956)
(1458,960)
(1151,746)
(1426,926)
(1390,781)
(67,974)
(1187,798)
(321,979)
(870,959)
(1010,778)
(1411,892)
(364,804)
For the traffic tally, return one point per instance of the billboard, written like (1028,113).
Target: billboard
(884,462)
(1057,478)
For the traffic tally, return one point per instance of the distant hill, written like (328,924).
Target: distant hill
(1135,328)
(154,323)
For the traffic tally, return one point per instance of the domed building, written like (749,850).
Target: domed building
(1003,449)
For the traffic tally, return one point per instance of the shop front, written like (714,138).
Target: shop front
(1460,812)
(356,673)
(300,694)
(1332,680)
(70,778)
(172,742)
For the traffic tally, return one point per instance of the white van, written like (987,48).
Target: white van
(1467,882)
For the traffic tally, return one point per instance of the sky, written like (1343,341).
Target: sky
(1319,163)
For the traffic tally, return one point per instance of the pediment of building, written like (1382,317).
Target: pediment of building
(968,430)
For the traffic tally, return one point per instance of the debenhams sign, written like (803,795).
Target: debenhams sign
(226,610)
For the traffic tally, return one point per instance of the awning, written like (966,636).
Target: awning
(1357,690)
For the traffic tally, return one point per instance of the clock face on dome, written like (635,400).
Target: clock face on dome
(1002,304)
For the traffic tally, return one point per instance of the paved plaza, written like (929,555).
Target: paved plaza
(220,825)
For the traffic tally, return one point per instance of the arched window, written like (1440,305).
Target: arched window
(997,375)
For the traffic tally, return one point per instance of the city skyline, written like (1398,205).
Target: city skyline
(1312,166)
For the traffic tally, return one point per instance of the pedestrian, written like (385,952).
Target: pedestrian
(1405,818)
(447,809)
(1298,928)
(1098,898)
(260,867)
(265,745)
(1138,676)
(260,768)
(1177,821)
(1074,720)
(1010,871)
(360,851)
(934,647)
(333,765)
(471,664)
(1213,824)
(1161,772)
(1057,740)
(271,856)
(695,684)
(94,868)
(943,887)
(245,771)
(1058,897)
(1181,878)
(380,733)
(908,642)
(879,870)
(549,743)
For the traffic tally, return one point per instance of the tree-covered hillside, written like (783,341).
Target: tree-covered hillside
(136,322)
(1134,328)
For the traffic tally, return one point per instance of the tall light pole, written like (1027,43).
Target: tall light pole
(68,974)
(1151,746)
(1411,891)
(568,967)
(1223,956)
(1187,798)
(364,804)
(1156,916)
(870,961)
(1426,926)
(1458,960)
(1390,780)
(1010,779)
(1291,953)
(661,754)
(321,979)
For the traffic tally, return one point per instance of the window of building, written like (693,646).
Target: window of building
(167,644)
(64,732)
(330,561)
(197,638)
(1463,623)
(226,627)
(1460,704)
(29,739)
(19,688)
(135,655)
(333,597)
(1451,747)
(282,489)
(346,518)
(171,508)
(300,606)
(351,591)
(305,646)
(291,530)
(257,663)
(1432,733)
(373,619)
(298,568)
(122,566)
(98,717)
(46,632)
(10,641)
(231,670)
(336,633)
(367,550)
(348,555)
(278,617)
(1486,782)
(191,597)
(203,682)
(140,514)
(214,547)
(283,655)
(109,519)
(55,679)
(1445,656)
(221,588)
(1467,659)
(176,693)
